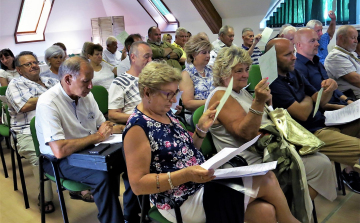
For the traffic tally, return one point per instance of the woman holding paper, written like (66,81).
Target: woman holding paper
(243,117)
(197,81)
(162,157)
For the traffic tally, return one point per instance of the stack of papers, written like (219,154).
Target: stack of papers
(245,171)
(114,138)
(344,115)
(226,154)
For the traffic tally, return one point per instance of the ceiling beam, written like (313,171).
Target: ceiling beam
(208,12)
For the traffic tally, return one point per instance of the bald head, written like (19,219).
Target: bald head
(306,41)
(346,37)
(284,54)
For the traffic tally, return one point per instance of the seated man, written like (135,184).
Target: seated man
(181,37)
(225,39)
(124,65)
(163,50)
(249,43)
(111,55)
(293,92)
(22,94)
(66,121)
(124,92)
(324,39)
(288,33)
(341,63)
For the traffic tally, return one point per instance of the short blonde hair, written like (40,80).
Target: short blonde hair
(196,44)
(226,60)
(155,74)
(165,36)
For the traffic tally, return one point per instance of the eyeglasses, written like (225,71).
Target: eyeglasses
(30,63)
(169,95)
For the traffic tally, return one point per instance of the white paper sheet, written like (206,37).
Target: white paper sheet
(265,35)
(318,99)
(224,98)
(178,96)
(122,37)
(245,171)
(347,114)
(226,154)
(268,65)
(114,138)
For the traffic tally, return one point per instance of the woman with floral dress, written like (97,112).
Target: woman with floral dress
(161,157)
(197,80)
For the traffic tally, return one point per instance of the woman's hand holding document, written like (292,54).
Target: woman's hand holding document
(344,115)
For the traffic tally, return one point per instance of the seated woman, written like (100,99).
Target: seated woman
(104,73)
(161,157)
(242,116)
(54,56)
(197,80)
(7,65)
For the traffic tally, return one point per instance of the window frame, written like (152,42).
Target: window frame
(16,33)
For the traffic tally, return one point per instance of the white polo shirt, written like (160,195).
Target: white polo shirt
(58,117)
(112,58)
(104,77)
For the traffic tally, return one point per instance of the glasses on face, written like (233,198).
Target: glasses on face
(169,95)
(29,64)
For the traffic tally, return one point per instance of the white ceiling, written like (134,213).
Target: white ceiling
(241,8)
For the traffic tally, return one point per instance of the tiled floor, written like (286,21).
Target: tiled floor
(345,209)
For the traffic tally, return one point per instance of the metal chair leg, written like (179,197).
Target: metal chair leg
(42,193)
(3,161)
(340,182)
(314,213)
(22,179)
(60,193)
(12,152)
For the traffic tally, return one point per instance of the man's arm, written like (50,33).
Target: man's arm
(256,41)
(65,147)
(118,116)
(30,105)
(353,78)
(302,110)
(332,25)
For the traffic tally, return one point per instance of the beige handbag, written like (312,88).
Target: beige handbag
(295,133)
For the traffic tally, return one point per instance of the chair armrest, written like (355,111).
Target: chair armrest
(51,158)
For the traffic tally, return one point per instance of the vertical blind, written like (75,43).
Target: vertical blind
(299,12)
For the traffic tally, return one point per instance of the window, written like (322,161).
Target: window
(32,20)
(161,15)
(299,12)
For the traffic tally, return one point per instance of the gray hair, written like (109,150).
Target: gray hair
(53,51)
(23,53)
(225,29)
(134,48)
(342,31)
(110,40)
(72,67)
(311,24)
(282,28)
(83,50)
(246,30)
(180,29)
(287,29)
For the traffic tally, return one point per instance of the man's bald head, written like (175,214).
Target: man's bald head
(284,54)
(306,41)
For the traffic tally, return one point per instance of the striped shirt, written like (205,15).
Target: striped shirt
(19,91)
(255,55)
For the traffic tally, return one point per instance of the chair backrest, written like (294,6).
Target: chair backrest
(101,96)
(3,90)
(207,147)
(34,137)
(254,77)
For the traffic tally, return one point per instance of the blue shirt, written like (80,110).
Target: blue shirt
(315,73)
(294,87)
(323,50)
(255,55)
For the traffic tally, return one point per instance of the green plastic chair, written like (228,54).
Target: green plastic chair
(207,147)
(254,77)
(101,96)
(61,183)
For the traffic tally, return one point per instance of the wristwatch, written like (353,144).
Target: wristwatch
(168,56)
